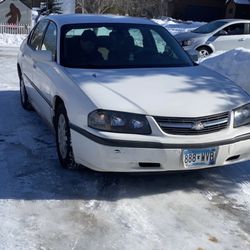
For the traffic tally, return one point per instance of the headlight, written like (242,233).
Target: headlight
(114,121)
(186,43)
(242,116)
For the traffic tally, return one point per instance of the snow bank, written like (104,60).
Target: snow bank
(11,40)
(178,26)
(234,64)
(68,7)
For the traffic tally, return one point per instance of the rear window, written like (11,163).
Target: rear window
(120,46)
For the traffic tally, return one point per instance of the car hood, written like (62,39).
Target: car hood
(181,92)
(189,35)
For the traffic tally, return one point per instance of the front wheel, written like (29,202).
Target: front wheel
(204,52)
(63,139)
(24,96)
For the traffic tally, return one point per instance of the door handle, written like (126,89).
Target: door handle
(34,65)
(242,39)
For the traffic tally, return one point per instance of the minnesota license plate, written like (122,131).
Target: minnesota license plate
(199,157)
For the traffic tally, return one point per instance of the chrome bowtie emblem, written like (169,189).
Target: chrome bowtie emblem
(198,126)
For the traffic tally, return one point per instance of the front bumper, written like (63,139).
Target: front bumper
(130,156)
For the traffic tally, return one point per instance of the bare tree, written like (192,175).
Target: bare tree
(148,8)
(95,6)
(80,6)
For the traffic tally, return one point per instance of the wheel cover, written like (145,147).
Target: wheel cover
(62,136)
(204,53)
(22,91)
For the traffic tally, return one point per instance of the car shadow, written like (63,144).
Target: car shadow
(29,168)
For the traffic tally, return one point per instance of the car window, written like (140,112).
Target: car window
(37,35)
(159,42)
(49,41)
(137,36)
(235,29)
(120,45)
(209,27)
(247,28)
(75,32)
(102,31)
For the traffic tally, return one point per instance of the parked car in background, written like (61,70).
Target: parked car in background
(122,95)
(224,34)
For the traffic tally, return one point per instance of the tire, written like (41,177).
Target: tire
(204,52)
(63,139)
(24,96)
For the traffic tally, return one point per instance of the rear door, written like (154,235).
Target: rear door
(34,43)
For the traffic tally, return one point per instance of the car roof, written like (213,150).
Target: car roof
(84,18)
(231,20)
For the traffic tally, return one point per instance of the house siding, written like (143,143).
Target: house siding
(197,10)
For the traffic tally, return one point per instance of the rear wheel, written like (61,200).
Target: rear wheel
(204,51)
(63,139)
(24,96)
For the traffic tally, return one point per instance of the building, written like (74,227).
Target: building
(197,10)
(238,9)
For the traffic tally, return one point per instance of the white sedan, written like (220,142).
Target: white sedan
(223,34)
(122,95)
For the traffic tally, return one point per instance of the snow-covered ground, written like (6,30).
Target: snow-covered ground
(11,40)
(45,207)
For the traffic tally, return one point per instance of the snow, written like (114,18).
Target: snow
(43,206)
(11,40)
(68,7)
(178,26)
(234,64)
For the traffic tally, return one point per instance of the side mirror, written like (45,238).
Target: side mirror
(43,55)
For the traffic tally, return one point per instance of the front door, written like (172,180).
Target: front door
(43,73)
(231,37)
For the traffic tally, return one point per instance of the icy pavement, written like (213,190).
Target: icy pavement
(45,207)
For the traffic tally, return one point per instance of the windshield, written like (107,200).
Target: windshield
(209,27)
(120,46)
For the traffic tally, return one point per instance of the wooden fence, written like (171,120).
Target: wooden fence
(20,29)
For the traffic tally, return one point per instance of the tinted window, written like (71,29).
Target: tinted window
(49,41)
(137,36)
(235,29)
(209,27)
(120,46)
(159,42)
(37,35)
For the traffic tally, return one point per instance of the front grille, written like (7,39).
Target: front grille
(193,126)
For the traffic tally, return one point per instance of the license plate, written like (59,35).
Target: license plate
(199,157)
